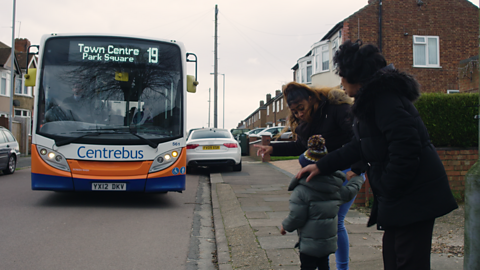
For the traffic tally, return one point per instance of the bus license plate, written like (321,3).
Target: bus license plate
(211,147)
(109,186)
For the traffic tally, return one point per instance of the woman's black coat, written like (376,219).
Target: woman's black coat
(332,120)
(407,177)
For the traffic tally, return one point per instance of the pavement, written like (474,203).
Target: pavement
(249,206)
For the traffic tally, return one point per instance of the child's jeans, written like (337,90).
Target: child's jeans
(312,263)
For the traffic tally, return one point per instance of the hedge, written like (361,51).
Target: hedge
(450,118)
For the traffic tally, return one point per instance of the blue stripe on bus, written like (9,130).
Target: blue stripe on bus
(160,184)
(170,183)
(51,182)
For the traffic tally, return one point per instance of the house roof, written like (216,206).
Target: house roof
(332,31)
(3,45)
(22,59)
(4,55)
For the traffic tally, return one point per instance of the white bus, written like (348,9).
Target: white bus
(109,113)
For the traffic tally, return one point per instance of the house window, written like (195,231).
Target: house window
(309,72)
(334,46)
(278,107)
(426,52)
(305,70)
(3,85)
(22,113)
(18,86)
(273,107)
(281,104)
(259,115)
(302,66)
(322,59)
(268,110)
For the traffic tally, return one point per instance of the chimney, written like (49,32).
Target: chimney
(277,93)
(262,103)
(269,97)
(22,44)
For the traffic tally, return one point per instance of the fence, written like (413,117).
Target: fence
(21,132)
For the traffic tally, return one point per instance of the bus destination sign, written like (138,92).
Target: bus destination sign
(124,53)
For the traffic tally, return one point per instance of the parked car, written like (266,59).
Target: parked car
(255,131)
(190,132)
(272,131)
(9,151)
(213,147)
(237,131)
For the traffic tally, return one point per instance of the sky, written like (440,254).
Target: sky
(258,41)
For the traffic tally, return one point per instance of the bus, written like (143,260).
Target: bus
(109,113)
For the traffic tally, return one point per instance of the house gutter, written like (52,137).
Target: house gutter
(380,25)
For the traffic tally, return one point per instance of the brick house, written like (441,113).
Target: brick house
(425,38)
(271,113)
(257,118)
(277,110)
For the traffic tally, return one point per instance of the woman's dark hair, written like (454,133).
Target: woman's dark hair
(357,62)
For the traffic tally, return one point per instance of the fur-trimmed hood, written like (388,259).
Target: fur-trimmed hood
(335,96)
(386,79)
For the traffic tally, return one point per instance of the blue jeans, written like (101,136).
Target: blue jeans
(343,247)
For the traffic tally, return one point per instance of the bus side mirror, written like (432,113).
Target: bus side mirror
(31,77)
(191,84)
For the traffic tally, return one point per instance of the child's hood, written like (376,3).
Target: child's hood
(321,183)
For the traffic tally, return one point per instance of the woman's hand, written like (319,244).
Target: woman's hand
(350,175)
(282,230)
(263,149)
(311,170)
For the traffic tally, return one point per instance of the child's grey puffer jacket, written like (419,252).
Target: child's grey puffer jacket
(314,208)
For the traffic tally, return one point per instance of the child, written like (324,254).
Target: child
(314,207)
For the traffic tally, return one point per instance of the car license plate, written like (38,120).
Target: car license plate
(211,147)
(109,186)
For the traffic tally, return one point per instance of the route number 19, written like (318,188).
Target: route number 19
(152,55)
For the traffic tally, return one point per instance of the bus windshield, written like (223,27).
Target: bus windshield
(124,90)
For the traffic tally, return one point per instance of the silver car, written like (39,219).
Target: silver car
(9,151)
(213,147)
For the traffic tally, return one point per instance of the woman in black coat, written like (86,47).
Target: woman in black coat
(407,177)
(318,111)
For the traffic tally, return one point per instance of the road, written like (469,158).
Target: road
(48,230)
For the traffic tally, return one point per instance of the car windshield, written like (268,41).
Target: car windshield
(210,134)
(127,87)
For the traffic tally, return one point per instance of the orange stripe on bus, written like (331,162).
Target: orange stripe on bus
(41,167)
(109,168)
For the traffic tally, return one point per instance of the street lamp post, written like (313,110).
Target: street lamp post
(223,74)
(12,70)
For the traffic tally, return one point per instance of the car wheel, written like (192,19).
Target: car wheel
(12,164)
(237,167)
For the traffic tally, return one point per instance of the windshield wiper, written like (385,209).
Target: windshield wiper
(132,131)
(70,140)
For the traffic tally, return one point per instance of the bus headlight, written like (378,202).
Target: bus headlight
(164,160)
(53,158)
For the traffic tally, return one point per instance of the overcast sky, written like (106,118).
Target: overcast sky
(258,41)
